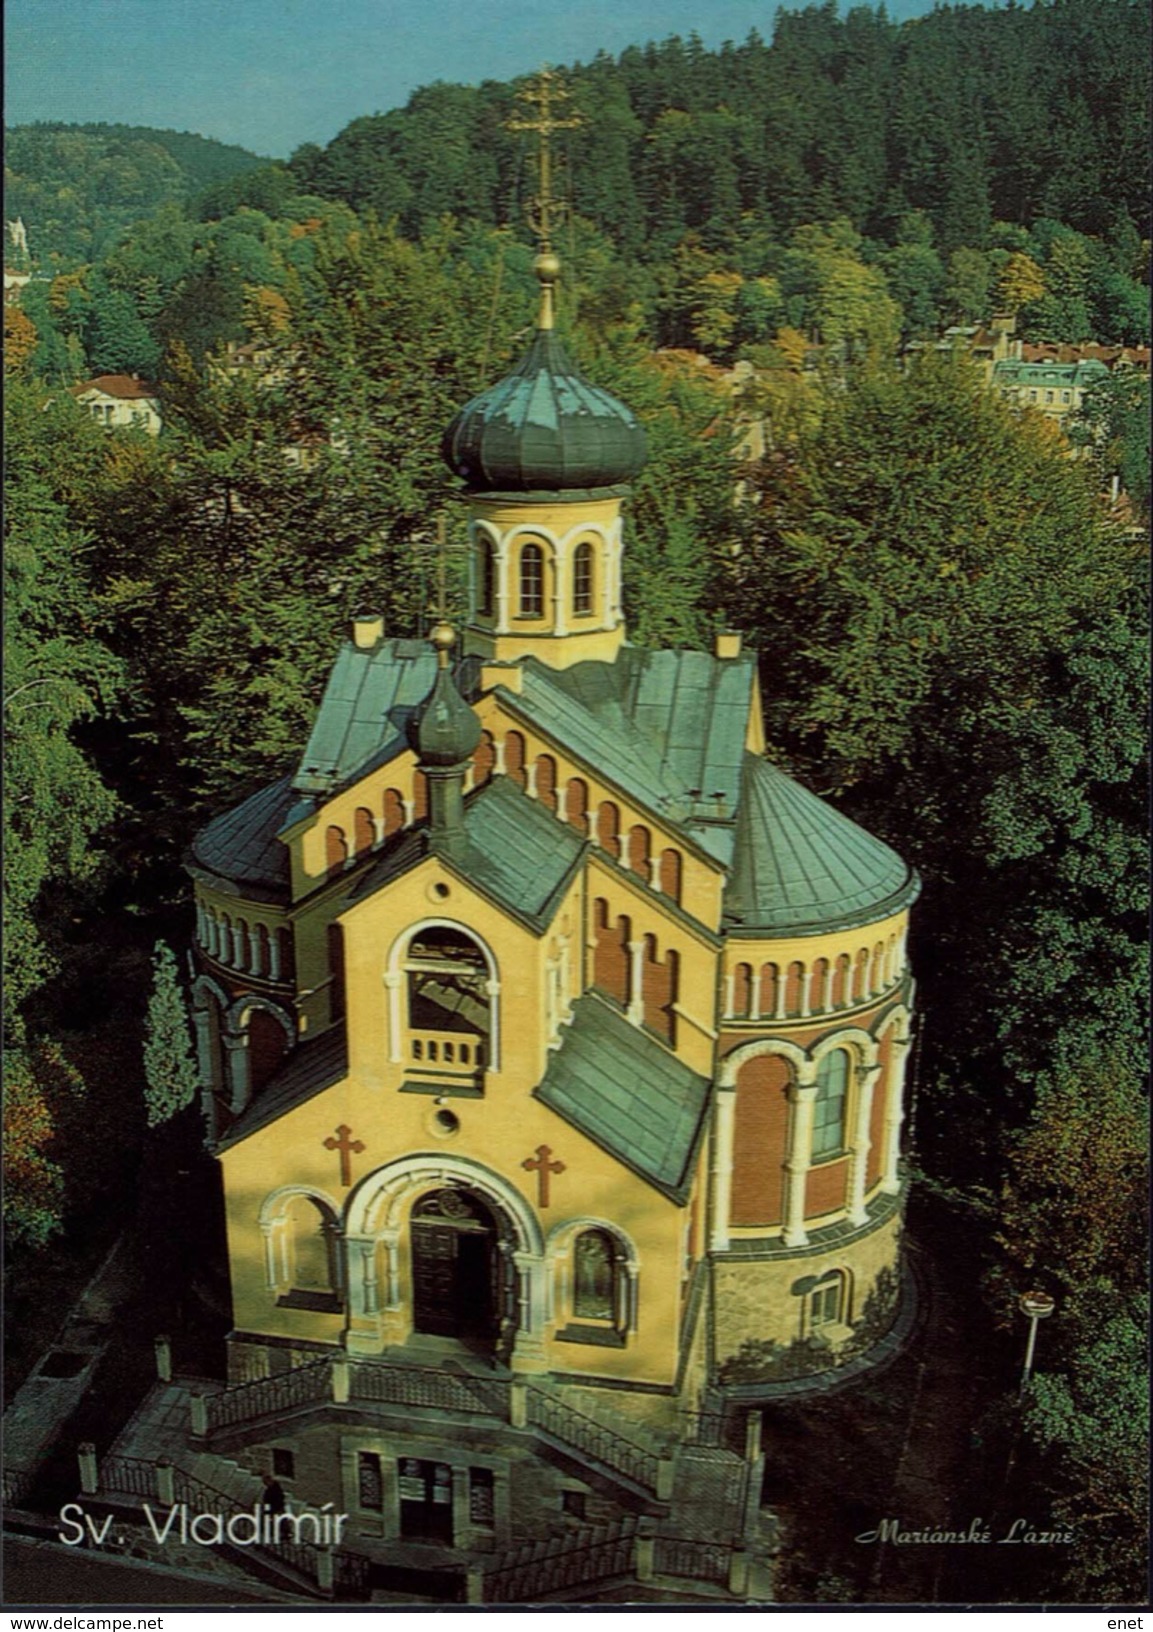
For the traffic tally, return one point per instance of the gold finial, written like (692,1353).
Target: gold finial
(442,635)
(545,212)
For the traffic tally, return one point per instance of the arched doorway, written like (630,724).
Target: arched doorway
(457,1288)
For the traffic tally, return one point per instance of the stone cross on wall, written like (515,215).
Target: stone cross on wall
(346,1146)
(542,1167)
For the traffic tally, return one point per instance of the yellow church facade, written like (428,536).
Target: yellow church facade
(548,1032)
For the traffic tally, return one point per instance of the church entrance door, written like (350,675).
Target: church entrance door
(455,1268)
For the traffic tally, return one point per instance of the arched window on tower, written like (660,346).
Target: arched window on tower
(485,579)
(514,751)
(829,1109)
(449,1003)
(335,850)
(582,581)
(545,780)
(532,581)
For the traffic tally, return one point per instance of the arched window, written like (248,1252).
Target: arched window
(260,959)
(842,976)
(363,831)
(267,1046)
(669,876)
(393,812)
(532,581)
(310,1267)
(609,828)
(829,1109)
(827,1302)
(449,1004)
(335,850)
(742,991)
(483,760)
(794,988)
(582,580)
(485,579)
(611,953)
(770,989)
(639,843)
(545,780)
(514,758)
(576,804)
(659,990)
(600,1284)
(820,986)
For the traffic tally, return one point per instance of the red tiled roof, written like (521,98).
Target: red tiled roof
(125,386)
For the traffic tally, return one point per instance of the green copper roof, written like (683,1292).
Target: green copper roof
(667,727)
(370,697)
(242,845)
(544,428)
(800,865)
(515,851)
(444,731)
(630,1095)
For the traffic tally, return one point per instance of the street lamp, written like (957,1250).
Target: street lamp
(1038,1306)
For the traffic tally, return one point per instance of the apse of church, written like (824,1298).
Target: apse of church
(545,1025)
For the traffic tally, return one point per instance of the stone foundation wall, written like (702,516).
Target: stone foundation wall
(759,1304)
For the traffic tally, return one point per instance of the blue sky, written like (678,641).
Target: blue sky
(271,74)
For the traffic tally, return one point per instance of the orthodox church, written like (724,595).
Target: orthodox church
(552,1040)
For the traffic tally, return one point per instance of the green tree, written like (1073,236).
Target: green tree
(1092,1416)
(169,1066)
(37,1079)
(1112,425)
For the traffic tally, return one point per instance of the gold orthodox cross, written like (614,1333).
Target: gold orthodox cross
(543,93)
(542,1167)
(346,1147)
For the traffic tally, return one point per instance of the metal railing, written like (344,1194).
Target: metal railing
(127,1476)
(270,1396)
(17,1483)
(696,1560)
(427,1386)
(538,1568)
(206,1498)
(596,1440)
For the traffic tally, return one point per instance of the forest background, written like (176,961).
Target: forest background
(950,617)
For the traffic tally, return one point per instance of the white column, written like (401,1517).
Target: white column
(636,1004)
(269,1231)
(498,756)
(237,958)
(238,1071)
(730,992)
(528,1347)
(204,1061)
(274,970)
(802,1103)
(594,835)
(214,937)
(724,1125)
(560,577)
(894,1116)
(492,990)
(392,986)
(781,991)
(859,1166)
(378,834)
(805,978)
(530,776)
(201,925)
(827,986)
(409,810)
(254,952)
(500,569)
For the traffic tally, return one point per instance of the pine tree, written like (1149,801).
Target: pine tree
(169,1067)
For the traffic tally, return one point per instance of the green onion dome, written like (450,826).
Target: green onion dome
(544,428)
(444,731)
